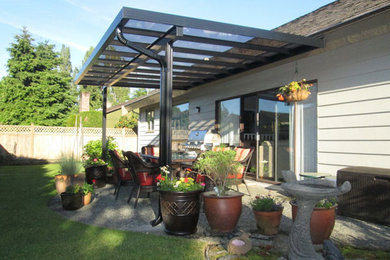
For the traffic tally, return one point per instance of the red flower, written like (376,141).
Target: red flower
(159,177)
(185,180)
(93,181)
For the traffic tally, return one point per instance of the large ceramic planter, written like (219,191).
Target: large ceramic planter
(268,222)
(62,181)
(180,211)
(321,222)
(72,201)
(222,212)
(97,173)
(87,198)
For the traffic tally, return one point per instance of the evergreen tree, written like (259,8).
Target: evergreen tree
(139,92)
(34,91)
(96,97)
(118,95)
(65,65)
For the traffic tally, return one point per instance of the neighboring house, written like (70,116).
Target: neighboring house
(346,120)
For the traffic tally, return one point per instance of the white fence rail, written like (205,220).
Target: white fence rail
(47,142)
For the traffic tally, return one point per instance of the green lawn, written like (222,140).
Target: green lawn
(30,230)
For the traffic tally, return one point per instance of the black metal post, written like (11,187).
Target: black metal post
(166,109)
(104,123)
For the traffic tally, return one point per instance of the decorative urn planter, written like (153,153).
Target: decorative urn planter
(223,212)
(321,223)
(268,222)
(97,173)
(71,201)
(180,211)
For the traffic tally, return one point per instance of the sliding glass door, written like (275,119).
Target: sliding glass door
(229,121)
(275,131)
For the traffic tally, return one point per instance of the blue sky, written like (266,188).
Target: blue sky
(80,24)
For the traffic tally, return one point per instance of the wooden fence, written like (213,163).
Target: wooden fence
(47,142)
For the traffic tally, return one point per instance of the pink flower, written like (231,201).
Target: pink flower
(203,184)
(95,160)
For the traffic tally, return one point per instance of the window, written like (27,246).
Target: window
(150,119)
(229,121)
(180,117)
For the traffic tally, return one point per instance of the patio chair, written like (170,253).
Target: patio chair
(151,150)
(120,170)
(243,156)
(143,174)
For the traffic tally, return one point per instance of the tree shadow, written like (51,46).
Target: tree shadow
(7,158)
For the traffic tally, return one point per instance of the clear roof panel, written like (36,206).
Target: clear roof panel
(148,25)
(201,46)
(216,35)
(202,50)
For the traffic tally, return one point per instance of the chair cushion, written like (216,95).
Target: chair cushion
(241,153)
(145,179)
(220,149)
(124,175)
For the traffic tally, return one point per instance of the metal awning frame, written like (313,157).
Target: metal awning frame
(110,64)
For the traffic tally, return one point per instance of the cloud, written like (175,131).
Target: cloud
(47,35)
(88,10)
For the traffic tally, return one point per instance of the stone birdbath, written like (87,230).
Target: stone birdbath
(307,194)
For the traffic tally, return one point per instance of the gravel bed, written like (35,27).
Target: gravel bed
(105,211)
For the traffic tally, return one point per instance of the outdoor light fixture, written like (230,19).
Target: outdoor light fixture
(197,109)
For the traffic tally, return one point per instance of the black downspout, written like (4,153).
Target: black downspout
(165,95)
(104,124)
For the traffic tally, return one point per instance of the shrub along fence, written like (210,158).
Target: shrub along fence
(47,142)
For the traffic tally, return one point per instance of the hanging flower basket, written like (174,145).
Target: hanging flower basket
(298,95)
(295,91)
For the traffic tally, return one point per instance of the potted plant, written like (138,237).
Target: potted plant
(69,166)
(72,198)
(322,219)
(294,91)
(268,213)
(88,190)
(95,169)
(222,206)
(179,203)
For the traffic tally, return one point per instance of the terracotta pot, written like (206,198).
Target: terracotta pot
(180,211)
(268,222)
(71,201)
(222,212)
(299,95)
(321,223)
(62,181)
(97,173)
(87,198)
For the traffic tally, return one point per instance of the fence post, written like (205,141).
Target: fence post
(123,138)
(32,132)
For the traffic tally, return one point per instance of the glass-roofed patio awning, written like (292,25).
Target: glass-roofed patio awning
(144,49)
(202,50)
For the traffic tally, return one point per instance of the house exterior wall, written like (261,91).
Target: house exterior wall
(146,137)
(353,77)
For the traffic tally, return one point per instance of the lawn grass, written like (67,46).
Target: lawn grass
(30,230)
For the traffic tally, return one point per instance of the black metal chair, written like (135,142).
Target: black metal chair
(123,176)
(143,175)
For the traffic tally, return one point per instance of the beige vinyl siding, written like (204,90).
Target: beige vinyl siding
(146,137)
